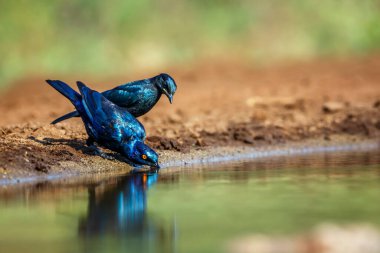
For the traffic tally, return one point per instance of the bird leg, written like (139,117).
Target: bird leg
(91,144)
(102,154)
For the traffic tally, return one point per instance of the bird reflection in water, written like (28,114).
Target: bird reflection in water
(117,216)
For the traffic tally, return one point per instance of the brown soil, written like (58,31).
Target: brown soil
(218,103)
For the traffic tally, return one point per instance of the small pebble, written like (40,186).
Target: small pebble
(332,107)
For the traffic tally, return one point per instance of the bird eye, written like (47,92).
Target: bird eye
(144,157)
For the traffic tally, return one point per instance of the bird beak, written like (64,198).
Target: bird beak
(170,97)
(155,168)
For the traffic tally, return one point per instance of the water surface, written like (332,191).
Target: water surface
(197,209)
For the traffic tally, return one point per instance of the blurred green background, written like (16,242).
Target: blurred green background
(97,37)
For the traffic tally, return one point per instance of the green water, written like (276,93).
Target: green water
(194,210)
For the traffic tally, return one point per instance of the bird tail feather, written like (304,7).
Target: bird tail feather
(65,117)
(65,90)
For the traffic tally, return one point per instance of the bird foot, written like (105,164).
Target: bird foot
(97,151)
(105,156)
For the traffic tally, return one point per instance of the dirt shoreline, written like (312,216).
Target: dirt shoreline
(218,105)
(173,161)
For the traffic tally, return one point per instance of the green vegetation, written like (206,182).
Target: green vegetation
(94,36)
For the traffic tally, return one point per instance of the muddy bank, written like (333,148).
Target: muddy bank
(93,168)
(218,104)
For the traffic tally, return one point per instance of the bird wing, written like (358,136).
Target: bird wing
(125,95)
(107,119)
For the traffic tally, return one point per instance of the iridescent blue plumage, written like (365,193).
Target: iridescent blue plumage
(109,125)
(137,97)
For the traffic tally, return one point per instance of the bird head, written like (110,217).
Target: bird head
(140,153)
(167,86)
